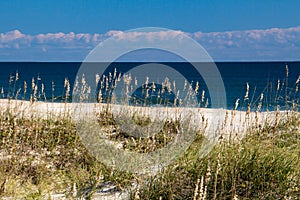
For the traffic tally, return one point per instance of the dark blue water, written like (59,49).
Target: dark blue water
(262,77)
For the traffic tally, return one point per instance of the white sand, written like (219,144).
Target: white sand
(229,122)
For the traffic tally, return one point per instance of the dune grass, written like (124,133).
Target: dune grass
(40,157)
(263,165)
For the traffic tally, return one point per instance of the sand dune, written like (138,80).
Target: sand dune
(225,121)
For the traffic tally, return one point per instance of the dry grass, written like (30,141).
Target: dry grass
(45,156)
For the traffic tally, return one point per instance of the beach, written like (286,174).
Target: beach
(227,121)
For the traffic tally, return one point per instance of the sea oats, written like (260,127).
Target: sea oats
(2,92)
(97,79)
(246,97)
(197,87)
(17,76)
(236,104)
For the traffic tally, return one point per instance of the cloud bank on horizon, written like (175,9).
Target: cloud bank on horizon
(276,44)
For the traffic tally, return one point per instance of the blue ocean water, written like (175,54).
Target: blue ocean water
(262,77)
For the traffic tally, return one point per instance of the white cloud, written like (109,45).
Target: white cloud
(268,44)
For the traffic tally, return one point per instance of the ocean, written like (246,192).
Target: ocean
(261,77)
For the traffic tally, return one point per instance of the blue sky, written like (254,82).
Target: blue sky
(237,30)
(96,16)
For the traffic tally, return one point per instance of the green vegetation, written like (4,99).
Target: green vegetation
(45,156)
(263,165)
(42,156)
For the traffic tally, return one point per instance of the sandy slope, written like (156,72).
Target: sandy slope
(228,121)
